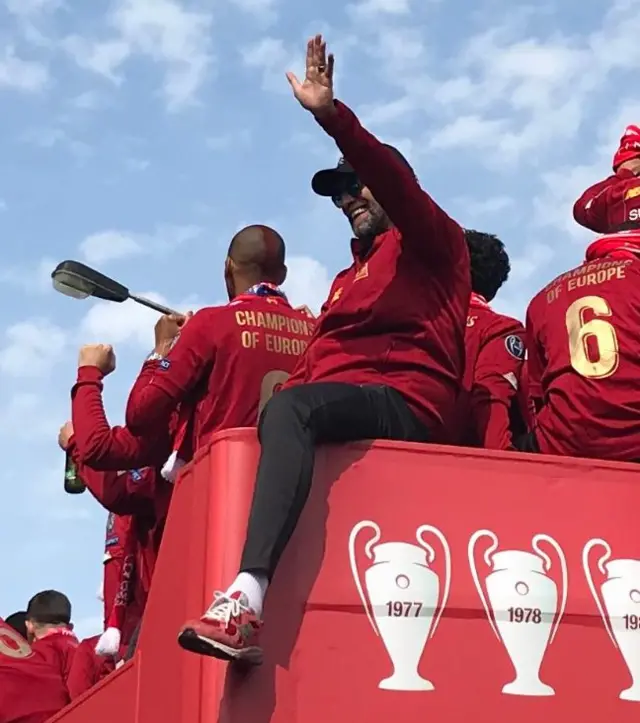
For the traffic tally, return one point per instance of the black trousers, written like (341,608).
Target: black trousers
(292,424)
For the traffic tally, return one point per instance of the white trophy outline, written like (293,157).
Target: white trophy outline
(405,674)
(527,669)
(623,640)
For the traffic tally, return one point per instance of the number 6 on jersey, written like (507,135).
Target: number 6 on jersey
(593,344)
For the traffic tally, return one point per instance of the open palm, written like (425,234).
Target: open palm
(315,93)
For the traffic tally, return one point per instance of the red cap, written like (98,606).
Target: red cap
(629,147)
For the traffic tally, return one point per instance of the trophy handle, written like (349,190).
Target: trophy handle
(535,542)
(354,565)
(447,568)
(597,542)
(473,540)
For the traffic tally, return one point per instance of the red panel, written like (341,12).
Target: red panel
(325,658)
(114,698)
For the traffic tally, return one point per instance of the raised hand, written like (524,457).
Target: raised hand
(98,355)
(64,435)
(167,329)
(315,93)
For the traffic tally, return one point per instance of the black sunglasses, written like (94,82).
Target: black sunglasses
(351,186)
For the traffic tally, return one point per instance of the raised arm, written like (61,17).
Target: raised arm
(163,383)
(104,447)
(596,208)
(424,226)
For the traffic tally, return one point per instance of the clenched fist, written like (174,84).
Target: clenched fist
(98,355)
(64,435)
(167,329)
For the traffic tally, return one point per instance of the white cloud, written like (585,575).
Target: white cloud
(262,10)
(369,9)
(89,100)
(112,244)
(31,8)
(525,265)
(31,348)
(26,418)
(308,282)
(160,30)
(270,56)
(486,207)
(30,279)
(25,75)
(109,246)
(52,137)
(103,58)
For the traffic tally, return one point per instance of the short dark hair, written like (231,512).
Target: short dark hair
(18,621)
(490,265)
(49,607)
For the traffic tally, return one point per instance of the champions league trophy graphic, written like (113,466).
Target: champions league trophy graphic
(404,605)
(618,602)
(521,604)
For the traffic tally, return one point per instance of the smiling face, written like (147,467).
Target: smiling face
(365,214)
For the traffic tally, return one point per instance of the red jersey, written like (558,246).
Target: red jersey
(488,409)
(225,363)
(583,338)
(140,493)
(107,448)
(604,207)
(118,527)
(58,647)
(397,315)
(32,680)
(87,668)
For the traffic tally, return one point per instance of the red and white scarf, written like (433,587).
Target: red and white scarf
(109,643)
(620,245)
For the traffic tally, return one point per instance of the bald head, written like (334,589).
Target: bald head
(257,253)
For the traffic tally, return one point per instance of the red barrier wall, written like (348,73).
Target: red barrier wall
(489,614)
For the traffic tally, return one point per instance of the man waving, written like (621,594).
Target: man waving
(385,360)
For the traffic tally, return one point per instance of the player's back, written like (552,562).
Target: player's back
(259,340)
(584,359)
(32,689)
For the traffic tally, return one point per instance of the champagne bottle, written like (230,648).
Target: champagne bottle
(73,485)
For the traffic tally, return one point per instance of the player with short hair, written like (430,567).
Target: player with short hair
(34,673)
(228,359)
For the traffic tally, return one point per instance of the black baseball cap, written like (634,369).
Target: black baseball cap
(331,181)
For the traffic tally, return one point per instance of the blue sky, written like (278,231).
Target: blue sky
(139,135)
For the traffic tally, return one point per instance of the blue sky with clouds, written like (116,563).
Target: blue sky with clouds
(138,135)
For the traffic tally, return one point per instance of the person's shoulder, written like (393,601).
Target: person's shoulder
(498,322)
(495,326)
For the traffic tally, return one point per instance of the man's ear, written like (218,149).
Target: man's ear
(283,276)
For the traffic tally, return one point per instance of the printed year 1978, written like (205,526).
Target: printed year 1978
(525,615)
